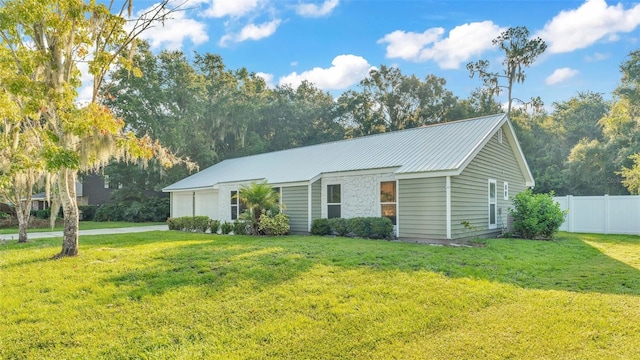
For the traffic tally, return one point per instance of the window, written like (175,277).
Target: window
(237,206)
(108,184)
(388,200)
(492,204)
(333,201)
(505,188)
(500,136)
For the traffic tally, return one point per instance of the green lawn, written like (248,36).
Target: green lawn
(172,295)
(84,225)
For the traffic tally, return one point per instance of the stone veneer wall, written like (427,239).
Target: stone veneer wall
(360,194)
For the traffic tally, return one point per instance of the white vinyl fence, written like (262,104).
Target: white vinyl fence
(601,214)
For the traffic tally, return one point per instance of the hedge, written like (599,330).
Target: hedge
(363,227)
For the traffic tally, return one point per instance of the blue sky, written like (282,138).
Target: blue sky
(334,43)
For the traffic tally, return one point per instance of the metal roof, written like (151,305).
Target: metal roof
(440,147)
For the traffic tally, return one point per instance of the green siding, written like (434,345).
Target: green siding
(469,190)
(316,200)
(295,200)
(421,207)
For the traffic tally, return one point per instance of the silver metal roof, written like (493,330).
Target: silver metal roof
(439,147)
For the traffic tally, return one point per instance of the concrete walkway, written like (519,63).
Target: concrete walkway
(54,234)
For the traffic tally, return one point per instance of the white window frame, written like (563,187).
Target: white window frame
(505,190)
(332,203)
(395,197)
(492,202)
(500,135)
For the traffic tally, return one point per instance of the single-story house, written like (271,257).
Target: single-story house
(428,180)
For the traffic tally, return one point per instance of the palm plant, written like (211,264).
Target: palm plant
(259,198)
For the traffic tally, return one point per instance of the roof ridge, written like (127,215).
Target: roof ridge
(370,136)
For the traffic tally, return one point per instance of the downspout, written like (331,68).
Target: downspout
(448,206)
(309,207)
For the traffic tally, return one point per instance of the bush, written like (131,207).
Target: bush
(339,226)
(381,228)
(88,212)
(364,227)
(320,227)
(214,226)
(4,215)
(154,209)
(41,214)
(226,227)
(536,215)
(241,227)
(274,224)
(189,223)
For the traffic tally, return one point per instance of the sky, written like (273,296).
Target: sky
(334,43)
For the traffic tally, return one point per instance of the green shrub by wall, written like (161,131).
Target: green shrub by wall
(363,227)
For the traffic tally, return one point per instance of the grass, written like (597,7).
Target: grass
(84,225)
(171,295)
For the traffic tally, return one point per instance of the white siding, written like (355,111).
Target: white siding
(182,204)
(207,203)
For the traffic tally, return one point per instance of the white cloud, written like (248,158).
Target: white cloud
(313,10)
(464,42)
(597,57)
(560,75)
(252,32)
(173,32)
(345,71)
(221,8)
(592,21)
(268,78)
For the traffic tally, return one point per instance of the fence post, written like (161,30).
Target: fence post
(606,214)
(570,214)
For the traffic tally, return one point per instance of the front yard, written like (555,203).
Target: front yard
(178,295)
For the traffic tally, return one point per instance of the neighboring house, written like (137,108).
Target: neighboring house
(91,189)
(427,180)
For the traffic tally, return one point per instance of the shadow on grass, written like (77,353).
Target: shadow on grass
(224,262)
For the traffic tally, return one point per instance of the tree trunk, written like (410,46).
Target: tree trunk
(23,223)
(67,189)
(23,211)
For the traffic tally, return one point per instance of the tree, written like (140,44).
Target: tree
(520,52)
(20,133)
(47,41)
(259,198)
(390,101)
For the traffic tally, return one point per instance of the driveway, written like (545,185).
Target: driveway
(54,234)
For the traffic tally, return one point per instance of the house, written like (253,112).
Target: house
(428,180)
(91,189)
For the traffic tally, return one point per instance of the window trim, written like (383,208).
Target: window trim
(394,202)
(500,135)
(505,190)
(334,203)
(493,202)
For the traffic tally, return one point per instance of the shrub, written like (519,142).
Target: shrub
(364,227)
(4,215)
(339,226)
(536,215)
(226,227)
(189,223)
(42,214)
(381,228)
(214,226)
(88,212)
(241,227)
(320,227)
(109,212)
(274,224)
(360,227)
